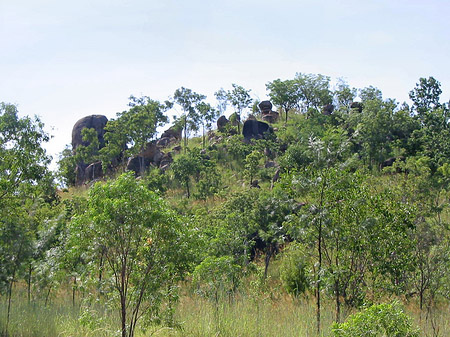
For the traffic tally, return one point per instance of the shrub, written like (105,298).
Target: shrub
(377,321)
(293,271)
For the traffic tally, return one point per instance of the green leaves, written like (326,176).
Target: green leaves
(141,240)
(377,321)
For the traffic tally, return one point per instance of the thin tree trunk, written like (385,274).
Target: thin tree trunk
(267,261)
(48,295)
(9,305)
(29,283)
(74,290)
(319,249)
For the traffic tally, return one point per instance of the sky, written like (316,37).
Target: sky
(62,60)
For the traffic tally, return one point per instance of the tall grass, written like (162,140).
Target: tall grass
(259,315)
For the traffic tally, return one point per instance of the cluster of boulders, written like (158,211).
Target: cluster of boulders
(88,171)
(152,155)
(268,115)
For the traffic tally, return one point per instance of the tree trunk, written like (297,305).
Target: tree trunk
(187,189)
(338,302)
(11,283)
(29,283)
(267,261)
(74,286)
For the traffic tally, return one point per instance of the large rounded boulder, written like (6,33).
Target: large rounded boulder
(97,122)
(254,129)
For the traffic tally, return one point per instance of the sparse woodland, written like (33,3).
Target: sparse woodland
(335,222)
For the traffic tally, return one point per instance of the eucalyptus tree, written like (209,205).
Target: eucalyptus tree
(24,175)
(344,95)
(188,100)
(284,94)
(144,242)
(240,99)
(313,90)
(207,114)
(133,129)
(222,100)
(426,95)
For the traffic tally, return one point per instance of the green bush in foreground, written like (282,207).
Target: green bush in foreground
(377,321)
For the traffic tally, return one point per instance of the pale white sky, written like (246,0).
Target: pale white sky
(63,60)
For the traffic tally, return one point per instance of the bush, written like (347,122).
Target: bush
(377,321)
(293,271)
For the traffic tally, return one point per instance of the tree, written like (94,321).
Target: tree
(143,241)
(284,94)
(183,167)
(240,99)
(23,180)
(188,100)
(425,95)
(207,114)
(251,163)
(133,129)
(222,100)
(344,95)
(313,90)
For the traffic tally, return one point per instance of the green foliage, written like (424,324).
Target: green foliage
(142,241)
(284,94)
(216,276)
(313,90)
(425,95)
(377,320)
(189,101)
(156,181)
(293,270)
(252,164)
(133,129)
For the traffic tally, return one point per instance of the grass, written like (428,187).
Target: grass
(251,313)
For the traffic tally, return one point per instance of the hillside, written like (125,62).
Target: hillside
(321,201)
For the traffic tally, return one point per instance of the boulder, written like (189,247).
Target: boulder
(266,111)
(96,122)
(255,129)
(166,160)
(80,174)
(271,117)
(265,107)
(150,150)
(222,122)
(94,171)
(163,141)
(356,106)
(328,109)
(173,132)
(135,162)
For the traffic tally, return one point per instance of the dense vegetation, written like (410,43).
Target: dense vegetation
(340,209)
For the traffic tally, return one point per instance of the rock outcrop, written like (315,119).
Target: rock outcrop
(88,171)
(266,112)
(222,123)
(255,129)
(328,109)
(97,122)
(357,106)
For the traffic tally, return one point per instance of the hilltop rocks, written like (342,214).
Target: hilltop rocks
(266,111)
(255,129)
(85,171)
(357,106)
(222,123)
(328,109)
(93,171)
(173,132)
(97,122)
